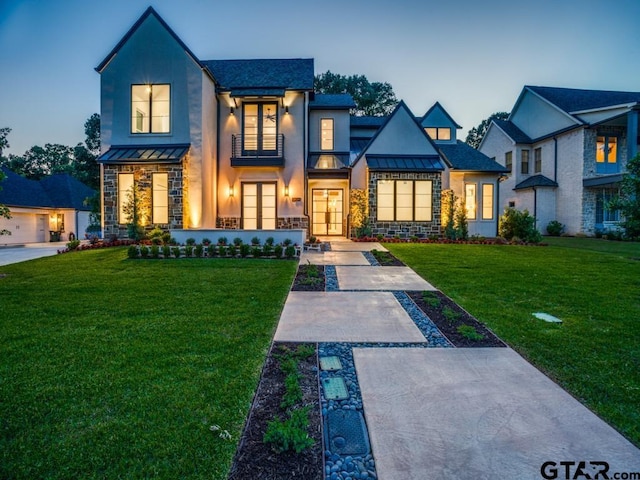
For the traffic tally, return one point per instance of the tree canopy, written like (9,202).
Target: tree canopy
(371,98)
(79,161)
(476,134)
(628,203)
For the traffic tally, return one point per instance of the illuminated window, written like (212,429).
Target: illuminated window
(470,200)
(150,108)
(260,128)
(607,154)
(326,134)
(125,184)
(160,198)
(438,133)
(537,160)
(259,206)
(524,161)
(487,201)
(404,200)
(508,161)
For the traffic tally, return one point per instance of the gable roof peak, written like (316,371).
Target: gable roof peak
(439,106)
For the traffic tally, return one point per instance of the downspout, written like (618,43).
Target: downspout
(496,208)
(217,154)
(555,159)
(305,146)
(535,204)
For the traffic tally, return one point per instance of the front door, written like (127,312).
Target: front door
(327,211)
(259,206)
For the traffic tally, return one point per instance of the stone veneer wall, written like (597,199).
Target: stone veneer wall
(143,176)
(284,223)
(405,229)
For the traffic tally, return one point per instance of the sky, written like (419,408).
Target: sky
(473,56)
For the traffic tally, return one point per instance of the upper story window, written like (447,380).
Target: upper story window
(524,161)
(537,160)
(508,161)
(326,134)
(260,128)
(150,108)
(439,133)
(607,154)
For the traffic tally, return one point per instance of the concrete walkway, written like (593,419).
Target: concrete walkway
(21,253)
(446,413)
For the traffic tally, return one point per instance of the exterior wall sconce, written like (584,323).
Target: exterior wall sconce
(231,111)
(286,190)
(231,190)
(286,110)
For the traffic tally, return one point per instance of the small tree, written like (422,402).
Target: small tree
(136,211)
(4,210)
(460,220)
(628,203)
(359,212)
(454,216)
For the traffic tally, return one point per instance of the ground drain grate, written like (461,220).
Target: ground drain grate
(335,388)
(330,363)
(347,433)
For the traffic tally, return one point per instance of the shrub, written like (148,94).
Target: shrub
(222,241)
(287,242)
(255,241)
(312,239)
(198,250)
(232,249)
(166,251)
(211,250)
(155,251)
(269,241)
(290,251)
(277,251)
(516,223)
(188,251)
(144,251)
(469,332)
(290,434)
(156,241)
(267,249)
(166,238)
(555,228)
(431,299)
(191,241)
(450,314)
(244,250)
(413,239)
(73,244)
(206,242)
(256,252)
(176,251)
(379,237)
(132,251)
(237,241)
(222,250)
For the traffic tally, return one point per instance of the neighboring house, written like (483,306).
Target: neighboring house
(566,151)
(46,210)
(247,144)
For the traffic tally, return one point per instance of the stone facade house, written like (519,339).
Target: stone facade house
(565,151)
(232,145)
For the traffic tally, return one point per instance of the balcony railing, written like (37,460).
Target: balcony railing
(257,150)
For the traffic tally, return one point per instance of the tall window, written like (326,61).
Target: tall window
(259,206)
(260,128)
(607,154)
(537,159)
(125,183)
(524,161)
(405,200)
(470,200)
(160,198)
(438,133)
(326,134)
(508,161)
(150,108)
(487,201)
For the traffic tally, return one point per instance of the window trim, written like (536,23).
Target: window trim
(260,151)
(523,170)
(153,198)
(133,131)
(395,203)
(322,130)
(492,201)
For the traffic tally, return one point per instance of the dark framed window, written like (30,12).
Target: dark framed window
(524,161)
(537,160)
(260,129)
(508,161)
(151,108)
(607,154)
(326,134)
(438,133)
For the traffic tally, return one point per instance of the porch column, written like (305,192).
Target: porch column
(632,134)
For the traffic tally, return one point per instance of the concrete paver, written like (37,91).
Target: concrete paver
(349,246)
(476,414)
(333,258)
(380,278)
(345,317)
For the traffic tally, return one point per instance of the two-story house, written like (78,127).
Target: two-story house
(247,144)
(565,150)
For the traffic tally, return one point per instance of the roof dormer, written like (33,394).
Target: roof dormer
(439,125)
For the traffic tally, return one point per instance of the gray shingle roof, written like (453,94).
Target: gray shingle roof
(575,100)
(287,73)
(367,122)
(464,157)
(56,191)
(331,101)
(514,132)
(536,181)
(405,163)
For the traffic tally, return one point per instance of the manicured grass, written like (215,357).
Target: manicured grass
(592,285)
(116,368)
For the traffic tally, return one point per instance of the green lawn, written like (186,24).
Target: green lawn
(116,368)
(592,285)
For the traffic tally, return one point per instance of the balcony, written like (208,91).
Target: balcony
(257,150)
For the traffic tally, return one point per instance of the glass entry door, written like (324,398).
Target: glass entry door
(327,211)
(259,206)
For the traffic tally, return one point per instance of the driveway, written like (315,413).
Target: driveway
(30,251)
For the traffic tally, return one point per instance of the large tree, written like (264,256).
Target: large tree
(628,203)
(476,134)
(371,98)
(4,143)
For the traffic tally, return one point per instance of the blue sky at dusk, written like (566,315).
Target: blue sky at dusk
(471,56)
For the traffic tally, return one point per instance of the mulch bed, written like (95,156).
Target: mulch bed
(256,460)
(310,278)
(386,259)
(448,325)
